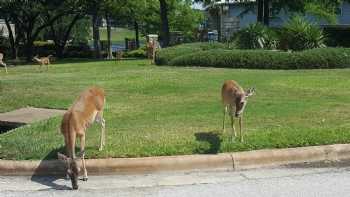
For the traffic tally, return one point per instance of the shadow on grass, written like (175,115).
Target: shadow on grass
(50,170)
(214,140)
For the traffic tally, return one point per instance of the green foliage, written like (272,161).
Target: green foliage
(298,34)
(43,48)
(180,15)
(78,51)
(138,53)
(81,31)
(165,55)
(261,59)
(256,36)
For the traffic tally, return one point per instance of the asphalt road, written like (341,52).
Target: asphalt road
(298,180)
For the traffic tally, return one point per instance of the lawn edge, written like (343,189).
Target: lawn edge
(224,161)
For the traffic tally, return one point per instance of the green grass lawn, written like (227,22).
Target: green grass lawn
(154,110)
(118,35)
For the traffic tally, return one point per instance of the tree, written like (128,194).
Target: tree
(112,9)
(165,33)
(136,11)
(61,29)
(94,9)
(31,17)
(181,17)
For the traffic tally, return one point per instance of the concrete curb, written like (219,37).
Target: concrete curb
(226,161)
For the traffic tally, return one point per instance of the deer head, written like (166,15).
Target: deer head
(241,101)
(72,169)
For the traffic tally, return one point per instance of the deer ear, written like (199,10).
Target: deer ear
(62,157)
(250,92)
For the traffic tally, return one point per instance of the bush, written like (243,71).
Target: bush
(44,48)
(298,34)
(78,51)
(165,55)
(263,59)
(256,36)
(138,53)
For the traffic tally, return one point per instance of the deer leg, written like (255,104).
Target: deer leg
(103,134)
(5,66)
(233,126)
(82,155)
(233,134)
(223,121)
(240,128)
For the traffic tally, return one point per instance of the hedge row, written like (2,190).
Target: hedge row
(165,55)
(263,59)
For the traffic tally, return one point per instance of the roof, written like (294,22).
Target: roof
(228,2)
(219,2)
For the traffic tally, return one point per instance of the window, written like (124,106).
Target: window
(338,11)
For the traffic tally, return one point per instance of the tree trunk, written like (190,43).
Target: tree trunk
(61,41)
(109,44)
(14,46)
(96,35)
(29,49)
(266,12)
(137,36)
(260,11)
(165,23)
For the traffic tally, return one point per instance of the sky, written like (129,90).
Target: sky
(197,6)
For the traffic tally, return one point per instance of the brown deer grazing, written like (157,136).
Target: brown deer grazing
(2,63)
(234,99)
(43,61)
(86,109)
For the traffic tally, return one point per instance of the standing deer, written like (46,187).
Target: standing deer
(234,99)
(43,61)
(2,63)
(86,109)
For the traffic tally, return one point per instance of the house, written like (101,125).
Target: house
(228,16)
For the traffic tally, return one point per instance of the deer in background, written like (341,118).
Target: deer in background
(86,109)
(43,61)
(2,63)
(234,99)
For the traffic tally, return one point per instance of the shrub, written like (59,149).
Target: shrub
(165,55)
(78,51)
(298,34)
(256,36)
(138,53)
(44,48)
(263,59)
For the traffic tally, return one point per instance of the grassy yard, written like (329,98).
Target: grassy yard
(118,35)
(172,111)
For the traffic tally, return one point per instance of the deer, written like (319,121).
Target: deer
(42,61)
(2,63)
(119,55)
(87,109)
(234,100)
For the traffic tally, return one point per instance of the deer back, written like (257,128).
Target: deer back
(230,91)
(88,104)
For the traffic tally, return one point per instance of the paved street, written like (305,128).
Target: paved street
(284,181)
